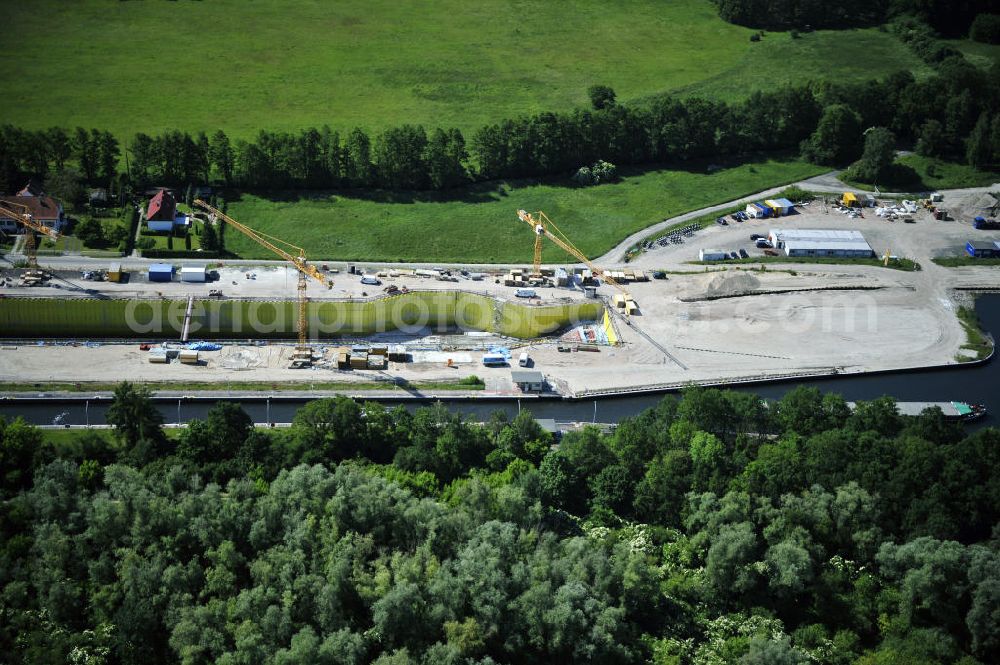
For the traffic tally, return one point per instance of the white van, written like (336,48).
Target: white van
(523,360)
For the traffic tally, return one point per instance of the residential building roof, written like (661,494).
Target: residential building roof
(162,207)
(41,208)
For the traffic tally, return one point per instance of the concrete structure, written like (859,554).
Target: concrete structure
(43,209)
(983,249)
(192,273)
(712,255)
(161,272)
(821,242)
(528,381)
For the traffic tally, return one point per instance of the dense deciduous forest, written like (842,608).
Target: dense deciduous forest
(710,529)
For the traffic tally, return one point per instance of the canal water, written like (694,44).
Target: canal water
(978,384)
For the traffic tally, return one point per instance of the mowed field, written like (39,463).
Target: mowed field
(482,226)
(241,66)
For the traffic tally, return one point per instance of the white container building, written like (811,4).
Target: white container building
(821,242)
(192,273)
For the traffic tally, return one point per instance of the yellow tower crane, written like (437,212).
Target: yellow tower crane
(545,227)
(23,217)
(303,354)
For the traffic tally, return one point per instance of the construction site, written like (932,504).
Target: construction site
(665,319)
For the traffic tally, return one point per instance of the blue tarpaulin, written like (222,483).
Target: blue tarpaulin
(203,346)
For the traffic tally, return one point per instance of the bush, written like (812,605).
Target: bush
(176,254)
(795,193)
(601,171)
(986,29)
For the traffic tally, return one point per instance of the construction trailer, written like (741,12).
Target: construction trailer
(193,274)
(983,249)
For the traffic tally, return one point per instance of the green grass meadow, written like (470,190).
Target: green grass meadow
(241,66)
(481,225)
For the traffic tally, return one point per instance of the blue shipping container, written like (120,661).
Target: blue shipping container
(161,272)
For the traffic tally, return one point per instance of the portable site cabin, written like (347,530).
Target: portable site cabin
(982,249)
(161,272)
(870,201)
(192,273)
(757,210)
(619,300)
(780,207)
(773,208)
(850,200)
(115,273)
(561,276)
(527,381)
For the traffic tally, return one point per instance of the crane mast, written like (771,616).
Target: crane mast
(24,218)
(303,354)
(545,227)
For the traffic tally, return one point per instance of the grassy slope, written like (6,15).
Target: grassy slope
(948,175)
(482,226)
(983,55)
(825,55)
(149,66)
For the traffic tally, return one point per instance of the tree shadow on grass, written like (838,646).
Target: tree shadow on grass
(498,190)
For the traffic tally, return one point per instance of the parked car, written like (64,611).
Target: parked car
(721,221)
(659,274)
(755,236)
(373,281)
(762,244)
(743,253)
(733,255)
(743,215)
(770,252)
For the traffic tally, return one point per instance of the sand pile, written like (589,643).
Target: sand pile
(723,285)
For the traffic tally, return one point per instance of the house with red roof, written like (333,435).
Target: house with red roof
(161,213)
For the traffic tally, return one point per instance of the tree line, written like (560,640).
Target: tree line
(709,529)
(950,18)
